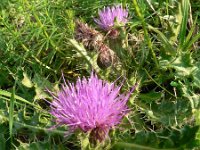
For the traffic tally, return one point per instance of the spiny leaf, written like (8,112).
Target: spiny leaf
(183,64)
(167,139)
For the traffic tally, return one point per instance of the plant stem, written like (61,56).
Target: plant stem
(146,35)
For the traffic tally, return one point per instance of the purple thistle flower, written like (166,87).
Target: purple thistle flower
(109,15)
(90,105)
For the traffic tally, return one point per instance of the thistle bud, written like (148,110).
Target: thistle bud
(105,57)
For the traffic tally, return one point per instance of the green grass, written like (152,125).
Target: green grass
(158,49)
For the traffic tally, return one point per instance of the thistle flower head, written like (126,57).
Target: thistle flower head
(90,105)
(109,15)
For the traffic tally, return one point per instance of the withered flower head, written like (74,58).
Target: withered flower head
(88,36)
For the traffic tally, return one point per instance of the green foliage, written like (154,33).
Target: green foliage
(168,139)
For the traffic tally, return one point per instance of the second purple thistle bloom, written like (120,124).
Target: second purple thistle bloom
(110,15)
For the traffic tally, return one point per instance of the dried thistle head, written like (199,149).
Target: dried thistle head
(88,36)
(92,39)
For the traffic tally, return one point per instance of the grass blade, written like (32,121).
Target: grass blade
(191,38)
(168,47)
(189,43)
(11,112)
(8,94)
(190,34)
(185,12)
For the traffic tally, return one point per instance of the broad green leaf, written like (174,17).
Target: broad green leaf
(150,96)
(170,113)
